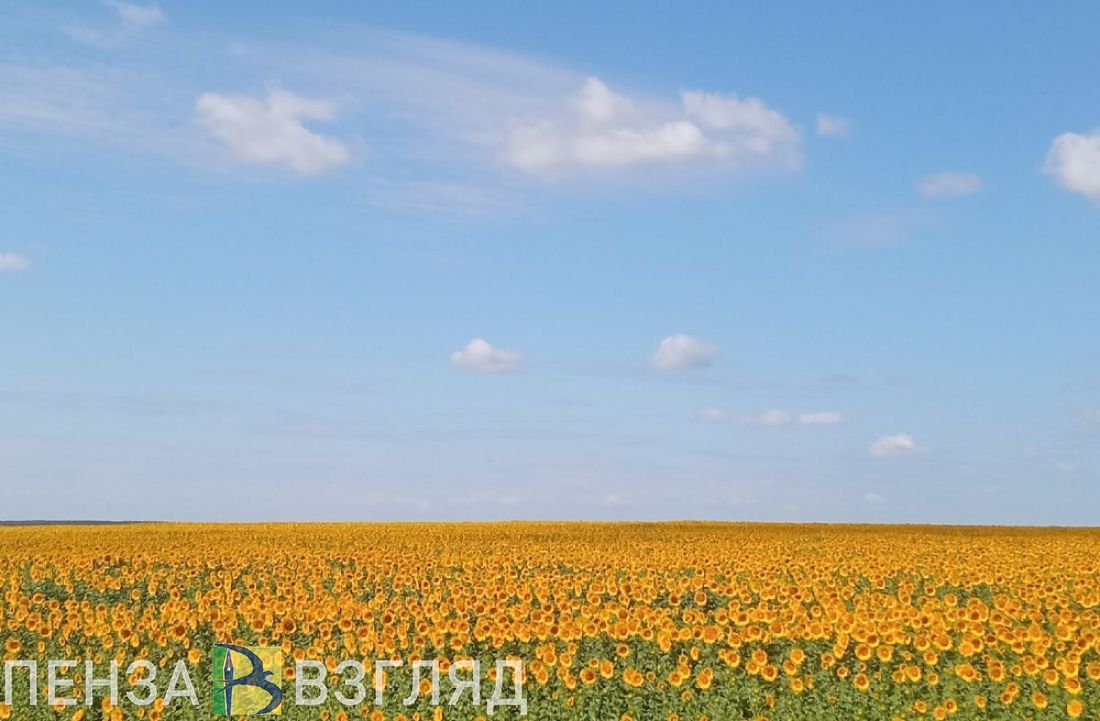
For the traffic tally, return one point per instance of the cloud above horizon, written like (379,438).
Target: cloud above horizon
(271,131)
(457,119)
(480,356)
(683,351)
(775,417)
(1074,161)
(599,129)
(901,444)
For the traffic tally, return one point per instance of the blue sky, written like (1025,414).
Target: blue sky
(784,261)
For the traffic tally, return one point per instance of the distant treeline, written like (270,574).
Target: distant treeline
(69,523)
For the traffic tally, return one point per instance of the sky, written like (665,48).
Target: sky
(781,261)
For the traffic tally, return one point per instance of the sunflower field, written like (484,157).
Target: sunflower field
(612,622)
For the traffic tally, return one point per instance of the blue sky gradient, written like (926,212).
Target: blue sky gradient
(240,246)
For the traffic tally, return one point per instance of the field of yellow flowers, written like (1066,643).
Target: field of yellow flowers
(675,622)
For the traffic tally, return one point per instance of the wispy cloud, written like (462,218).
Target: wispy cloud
(1088,419)
(130,20)
(821,418)
(442,196)
(772,417)
(136,16)
(775,417)
(882,229)
(58,99)
(13,262)
(461,122)
(97,108)
(710,414)
(948,184)
(832,126)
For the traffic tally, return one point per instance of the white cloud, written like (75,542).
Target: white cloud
(776,417)
(271,131)
(601,129)
(713,415)
(772,417)
(1074,159)
(947,184)
(872,497)
(458,119)
(821,418)
(831,126)
(13,262)
(754,132)
(481,357)
(136,16)
(897,445)
(453,115)
(683,351)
